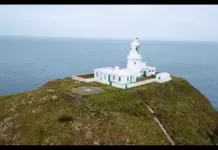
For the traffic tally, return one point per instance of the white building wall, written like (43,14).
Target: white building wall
(142,73)
(135,65)
(95,74)
(123,79)
(103,82)
(122,86)
(101,76)
(153,71)
(143,64)
(131,80)
(117,79)
(128,80)
(134,78)
(150,71)
(104,76)
(113,78)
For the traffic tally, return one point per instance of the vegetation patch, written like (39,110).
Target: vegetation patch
(112,117)
(47,84)
(65,118)
(185,113)
(72,98)
(143,78)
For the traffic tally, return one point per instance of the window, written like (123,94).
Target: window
(119,79)
(152,70)
(137,48)
(100,74)
(141,71)
(159,78)
(149,70)
(127,78)
(96,74)
(113,77)
(104,76)
(134,63)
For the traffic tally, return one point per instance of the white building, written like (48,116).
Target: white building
(126,77)
(122,77)
(163,77)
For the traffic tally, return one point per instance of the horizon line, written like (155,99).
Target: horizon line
(108,38)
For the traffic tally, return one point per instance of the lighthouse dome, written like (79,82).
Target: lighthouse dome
(134,50)
(135,43)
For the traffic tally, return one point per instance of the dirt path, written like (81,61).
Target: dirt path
(161,126)
(157,120)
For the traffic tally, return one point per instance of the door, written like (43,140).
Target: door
(109,79)
(144,73)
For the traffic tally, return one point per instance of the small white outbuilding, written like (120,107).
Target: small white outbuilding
(163,77)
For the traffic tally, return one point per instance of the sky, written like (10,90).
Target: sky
(148,22)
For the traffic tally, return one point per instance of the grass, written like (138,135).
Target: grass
(186,114)
(65,118)
(114,116)
(143,78)
(87,76)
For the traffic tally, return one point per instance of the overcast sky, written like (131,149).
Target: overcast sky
(150,22)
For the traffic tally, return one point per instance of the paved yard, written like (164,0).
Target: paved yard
(87,90)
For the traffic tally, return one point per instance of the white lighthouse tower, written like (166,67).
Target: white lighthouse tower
(134,59)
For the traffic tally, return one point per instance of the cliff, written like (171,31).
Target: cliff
(53,114)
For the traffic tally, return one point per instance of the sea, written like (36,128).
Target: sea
(27,63)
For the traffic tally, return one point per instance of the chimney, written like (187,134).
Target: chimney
(116,68)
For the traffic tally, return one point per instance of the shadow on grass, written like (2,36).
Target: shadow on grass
(64,118)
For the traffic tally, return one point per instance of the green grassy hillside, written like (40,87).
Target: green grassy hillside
(115,116)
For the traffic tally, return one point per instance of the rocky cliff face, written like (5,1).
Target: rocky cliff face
(49,115)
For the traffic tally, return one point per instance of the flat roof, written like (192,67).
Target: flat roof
(119,72)
(148,67)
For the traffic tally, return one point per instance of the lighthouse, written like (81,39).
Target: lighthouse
(125,77)
(130,76)
(134,58)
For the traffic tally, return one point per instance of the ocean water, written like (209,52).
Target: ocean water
(26,63)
